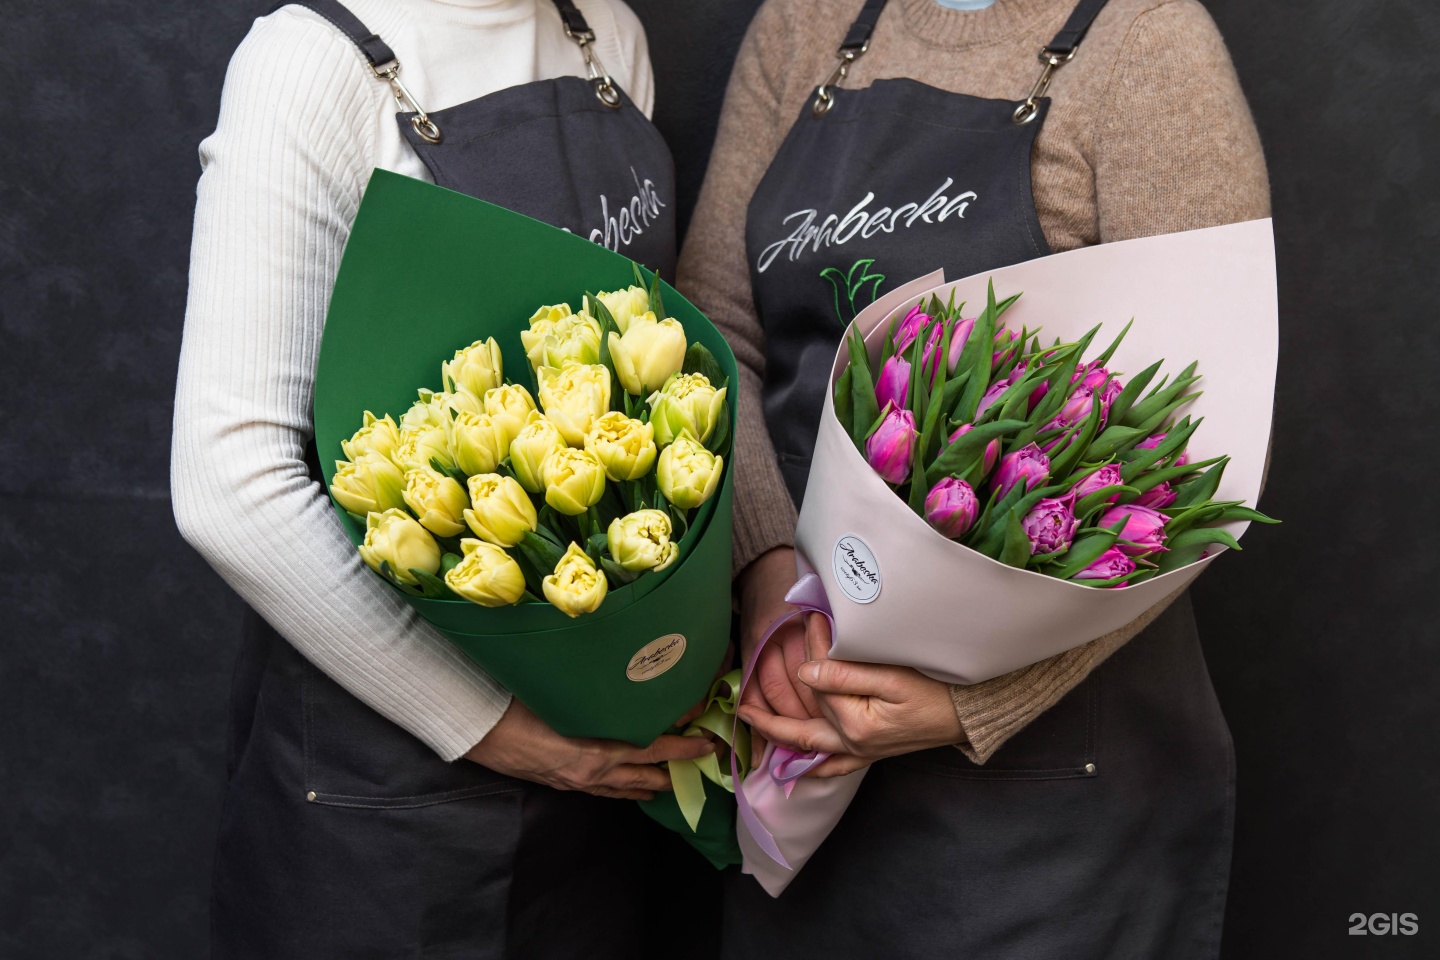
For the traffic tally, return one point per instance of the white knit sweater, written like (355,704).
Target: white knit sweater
(302,124)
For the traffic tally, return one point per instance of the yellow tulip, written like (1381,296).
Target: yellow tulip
(529,449)
(686,403)
(687,473)
(419,445)
(394,537)
(542,321)
(574,397)
(625,305)
(576,586)
(476,369)
(624,446)
(369,484)
(380,436)
(648,353)
(486,575)
(437,500)
(510,406)
(437,409)
(574,339)
(574,480)
(500,510)
(641,541)
(479,442)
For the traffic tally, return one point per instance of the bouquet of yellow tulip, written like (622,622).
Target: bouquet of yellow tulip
(556,502)
(479,494)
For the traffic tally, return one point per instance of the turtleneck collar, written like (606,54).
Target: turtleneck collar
(958,29)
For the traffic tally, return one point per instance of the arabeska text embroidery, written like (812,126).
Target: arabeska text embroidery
(835,230)
(632,219)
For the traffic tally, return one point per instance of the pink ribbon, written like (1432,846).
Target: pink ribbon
(783,764)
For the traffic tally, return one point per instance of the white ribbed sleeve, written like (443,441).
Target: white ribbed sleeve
(301,126)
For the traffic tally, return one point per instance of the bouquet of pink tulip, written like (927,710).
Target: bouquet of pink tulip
(972,483)
(1031,455)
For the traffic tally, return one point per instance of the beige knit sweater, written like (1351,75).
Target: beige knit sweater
(1149,133)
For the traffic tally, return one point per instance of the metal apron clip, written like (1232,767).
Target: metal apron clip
(427,129)
(1029,108)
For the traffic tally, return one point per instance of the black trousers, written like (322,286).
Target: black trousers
(1033,855)
(343,836)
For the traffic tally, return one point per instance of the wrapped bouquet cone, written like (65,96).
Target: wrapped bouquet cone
(899,592)
(426,271)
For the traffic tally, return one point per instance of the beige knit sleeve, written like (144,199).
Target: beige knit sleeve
(1176,149)
(714,274)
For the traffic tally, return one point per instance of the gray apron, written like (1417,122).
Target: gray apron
(1104,828)
(344,836)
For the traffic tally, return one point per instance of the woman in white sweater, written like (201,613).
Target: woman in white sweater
(348,829)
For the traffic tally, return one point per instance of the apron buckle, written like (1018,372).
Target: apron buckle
(421,123)
(1029,108)
(824,96)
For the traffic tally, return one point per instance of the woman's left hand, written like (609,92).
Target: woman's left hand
(872,711)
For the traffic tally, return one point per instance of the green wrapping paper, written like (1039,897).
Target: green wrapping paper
(427,271)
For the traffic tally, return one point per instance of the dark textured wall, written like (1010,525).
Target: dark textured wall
(117,641)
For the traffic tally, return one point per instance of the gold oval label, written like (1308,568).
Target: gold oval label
(656,657)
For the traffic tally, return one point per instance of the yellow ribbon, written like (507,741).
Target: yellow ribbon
(717,718)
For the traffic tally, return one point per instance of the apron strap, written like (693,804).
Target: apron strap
(859,36)
(577,29)
(1067,41)
(375,50)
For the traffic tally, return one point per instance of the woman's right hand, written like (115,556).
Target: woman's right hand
(774,687)
(522,745)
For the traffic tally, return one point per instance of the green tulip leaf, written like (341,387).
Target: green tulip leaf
(1104,358)
(1133,390)
(1233,513)
(1016,551)
(1202,488)
(862,384)
(541,552)
(699,359)
(1085,551)
(845,402)
(433,587)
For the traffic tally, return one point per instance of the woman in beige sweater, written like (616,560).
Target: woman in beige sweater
(1088,809)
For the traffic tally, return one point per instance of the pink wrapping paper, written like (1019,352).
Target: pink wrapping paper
(902,594)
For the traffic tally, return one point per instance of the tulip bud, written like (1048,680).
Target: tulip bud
(687,473)
(909,328)
(625,305)
(1107,476)
(529,449)
(959,336)
(420,445)
(437,500)
(476,369)
(574,480)
(438,409)
(687,403)
(541,323)
(1144,530)
(992,449)
(1157,497)
(624,446)
(892,388)
(394,537)
(951,507)
(648,353)
(641,541)
(1027,464)
(574,397)
(478,442)
(500,510)
(380,436)
(1051,525)
(510,407)
(486,575)
(1109,565)
(1150,443)
(891,448)
(572,339)
(576,586)
(369,484)
(995,391)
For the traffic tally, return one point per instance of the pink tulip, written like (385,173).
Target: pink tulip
(992,449)
(1028,464)
(1152,442)
(951,507)
(1157,497)
(911,327)
(1051,525)
(1144,530)
(1109,565)
(1107,476)
(891,448)
(893,386)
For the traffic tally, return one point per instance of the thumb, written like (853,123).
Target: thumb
(852,679)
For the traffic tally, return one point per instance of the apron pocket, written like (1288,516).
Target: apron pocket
(1062,743)
(354,757)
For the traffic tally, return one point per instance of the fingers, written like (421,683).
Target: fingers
(837,765)
(776,684)
(801,735)
(854,679)
(666,747)
(758,743)
(634,777)
(817,637)
(794,647)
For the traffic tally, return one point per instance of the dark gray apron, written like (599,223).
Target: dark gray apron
(1104,828)
(344,836)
